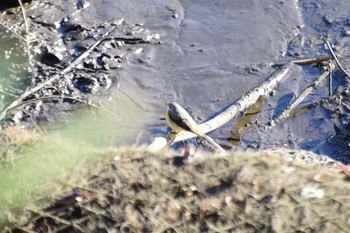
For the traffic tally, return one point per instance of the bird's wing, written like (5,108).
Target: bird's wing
(180,121)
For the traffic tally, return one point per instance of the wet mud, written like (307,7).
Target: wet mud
(204,55)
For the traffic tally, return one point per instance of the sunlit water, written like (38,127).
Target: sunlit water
(13,68)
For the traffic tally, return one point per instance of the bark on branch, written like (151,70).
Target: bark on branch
(300,98)
(230,112)
(240,105)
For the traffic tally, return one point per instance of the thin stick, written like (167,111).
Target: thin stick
(299,99)
(309,61)
(330,92)
(13,32)
(336,59)
(27,31)
(214,144)
(24,16)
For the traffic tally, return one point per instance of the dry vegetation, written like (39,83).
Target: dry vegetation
(12,140)
(132,190)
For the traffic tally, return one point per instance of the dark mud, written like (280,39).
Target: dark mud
(210,55)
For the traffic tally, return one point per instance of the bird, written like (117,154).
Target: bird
(179,120)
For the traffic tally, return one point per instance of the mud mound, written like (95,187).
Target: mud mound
(135,191)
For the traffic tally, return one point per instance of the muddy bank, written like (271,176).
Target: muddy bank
(205,61)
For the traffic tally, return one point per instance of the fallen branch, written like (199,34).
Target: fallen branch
(310,61)
(299,99)
(232,111)
(240,105)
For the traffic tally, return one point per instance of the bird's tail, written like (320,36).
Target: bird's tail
(213,143)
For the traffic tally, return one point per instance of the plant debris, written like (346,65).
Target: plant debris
(241,192)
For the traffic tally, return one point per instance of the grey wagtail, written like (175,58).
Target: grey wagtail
(180,120)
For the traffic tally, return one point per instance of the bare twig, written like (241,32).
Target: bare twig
(299,99)
(87,52)
(27,32)
(24,16)
(330,91)
(312,60)
(336,59)
(13,32)
(216,146)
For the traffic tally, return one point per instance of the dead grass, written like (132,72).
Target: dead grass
(242,192)
(13,139)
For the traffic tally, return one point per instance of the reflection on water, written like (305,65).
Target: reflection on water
(13,68)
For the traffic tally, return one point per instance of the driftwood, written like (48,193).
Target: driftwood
(300,98)
(240,105)
(230,112)
(316,82)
